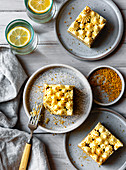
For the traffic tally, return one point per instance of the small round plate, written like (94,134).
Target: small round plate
(102,98)
(107,41)
(56,74)
(115,123)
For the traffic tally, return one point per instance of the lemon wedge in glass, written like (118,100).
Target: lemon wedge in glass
(39,6)
(19,36)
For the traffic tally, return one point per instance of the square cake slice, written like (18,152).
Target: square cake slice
(87,26)
(58,99)
(99,144)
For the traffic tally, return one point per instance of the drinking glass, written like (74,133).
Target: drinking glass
(41,17)
(30,46)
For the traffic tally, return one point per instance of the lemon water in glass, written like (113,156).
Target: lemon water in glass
(40,11)
(21,37)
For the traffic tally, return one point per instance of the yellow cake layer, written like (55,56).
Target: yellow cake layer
(87,26)
(99,144)
(58,99)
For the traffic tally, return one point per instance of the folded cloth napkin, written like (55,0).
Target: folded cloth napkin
(12,144)
(12,141)
(12,76)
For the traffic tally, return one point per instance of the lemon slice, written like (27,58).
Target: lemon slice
(39,6)
(19,36)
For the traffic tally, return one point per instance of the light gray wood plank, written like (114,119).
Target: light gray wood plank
(19,4)
(48,52)
(45,32)
(55,151)
(56,54)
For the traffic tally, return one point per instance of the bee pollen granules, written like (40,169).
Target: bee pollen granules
(108,82)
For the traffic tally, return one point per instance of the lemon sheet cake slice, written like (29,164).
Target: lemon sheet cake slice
(99,144)
(87,26)
(58,99)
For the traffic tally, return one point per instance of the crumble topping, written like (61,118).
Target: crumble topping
(99,144)
(58,99)
(87,26)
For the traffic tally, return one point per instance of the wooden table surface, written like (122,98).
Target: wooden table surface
(48,52)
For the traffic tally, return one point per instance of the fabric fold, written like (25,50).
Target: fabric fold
(8,112)
(12,75)
(12,141)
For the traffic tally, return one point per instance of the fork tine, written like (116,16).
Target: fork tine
(35,118)
(32,120)
(33,123)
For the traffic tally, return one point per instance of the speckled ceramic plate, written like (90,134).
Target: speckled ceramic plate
(55,74)
(107,41)
(113,122)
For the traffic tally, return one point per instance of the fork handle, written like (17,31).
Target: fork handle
(25,157)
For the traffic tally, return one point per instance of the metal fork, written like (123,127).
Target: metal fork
(33,124)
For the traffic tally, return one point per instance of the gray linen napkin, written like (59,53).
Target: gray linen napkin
(12,141)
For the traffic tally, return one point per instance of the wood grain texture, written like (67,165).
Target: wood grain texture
(25,157)
(45,32)
(18,5)
(48,52)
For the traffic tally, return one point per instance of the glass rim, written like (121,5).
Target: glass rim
(22,21)
(26,5)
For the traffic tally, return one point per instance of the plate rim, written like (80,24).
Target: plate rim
(102,55)
(67,134)
(48,67)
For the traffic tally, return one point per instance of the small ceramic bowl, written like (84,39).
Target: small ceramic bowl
(103,100)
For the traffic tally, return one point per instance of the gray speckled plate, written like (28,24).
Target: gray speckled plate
(107,41)
(55,74)
(113,122)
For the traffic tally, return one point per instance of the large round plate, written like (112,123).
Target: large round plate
(55,74)
(113,122)
(107,41)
